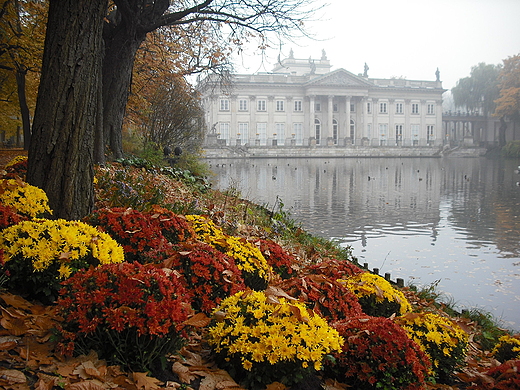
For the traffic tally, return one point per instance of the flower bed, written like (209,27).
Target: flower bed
(260,341)
(131,314)
(378,354)
(39,254)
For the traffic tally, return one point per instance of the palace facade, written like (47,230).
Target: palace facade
(302,103)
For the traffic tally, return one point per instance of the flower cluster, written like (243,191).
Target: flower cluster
(16,168)
(40,253)
(442,339)
(131,314)
(261,340)
(507,348)
(145,236)
(16,160)
(24,198)
(334,268)
(327,297)
(9,217)
(280,260)
(209,274)
(378,353)
(376,295)
(248,258)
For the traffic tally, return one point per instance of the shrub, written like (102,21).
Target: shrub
(282,263)
(327,297)
(248,258)
(378,354)
(334,268)
(376,295)
(118,186)
(507,348)
(39,254)
(260,340)
(511,149)
(442,339)
(210,275)
(131,314)
(26,199)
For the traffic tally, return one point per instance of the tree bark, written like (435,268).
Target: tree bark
(61,148)
(121,44)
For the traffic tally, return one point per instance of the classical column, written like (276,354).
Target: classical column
(330,107)
(407,131)
(252,120)
(270,120)
(391,125)
(347,130)
(422,129)
(375,123)
(312,114)
(289,108)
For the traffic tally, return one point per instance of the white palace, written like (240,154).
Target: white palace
(302,103)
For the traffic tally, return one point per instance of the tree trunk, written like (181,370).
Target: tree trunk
(61,149)
(121,45)
(24,109)
(502,132)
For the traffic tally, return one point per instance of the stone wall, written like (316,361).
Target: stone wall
(354,151)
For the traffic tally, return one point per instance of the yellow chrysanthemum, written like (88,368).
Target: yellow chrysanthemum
(24,198)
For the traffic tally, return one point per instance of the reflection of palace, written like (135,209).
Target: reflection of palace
(303,103)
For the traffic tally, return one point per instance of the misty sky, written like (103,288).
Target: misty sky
(407,38)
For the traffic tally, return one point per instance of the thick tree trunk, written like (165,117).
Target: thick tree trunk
(121,45)
(61,149)
(24,109)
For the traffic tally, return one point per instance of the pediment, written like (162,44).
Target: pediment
(340,78)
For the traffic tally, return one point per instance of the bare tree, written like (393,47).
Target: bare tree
(176,118)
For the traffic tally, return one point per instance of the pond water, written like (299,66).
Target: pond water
(450,221)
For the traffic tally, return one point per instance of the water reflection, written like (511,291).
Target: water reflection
(454,220)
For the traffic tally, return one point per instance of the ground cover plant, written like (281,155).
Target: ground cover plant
(183,313)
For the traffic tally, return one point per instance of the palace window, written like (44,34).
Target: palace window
(431,109)
(398,133)
(261,105)
(369,107)
(317,106)
(280,105)
(261,132)
(352,107)
(398,108)
(430,136)
(224,130)
(335,107)
(298,105)
(280,130)
(243,130)
(298,133)
(224,104)
(242,105)
(415,108)
(382,108)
